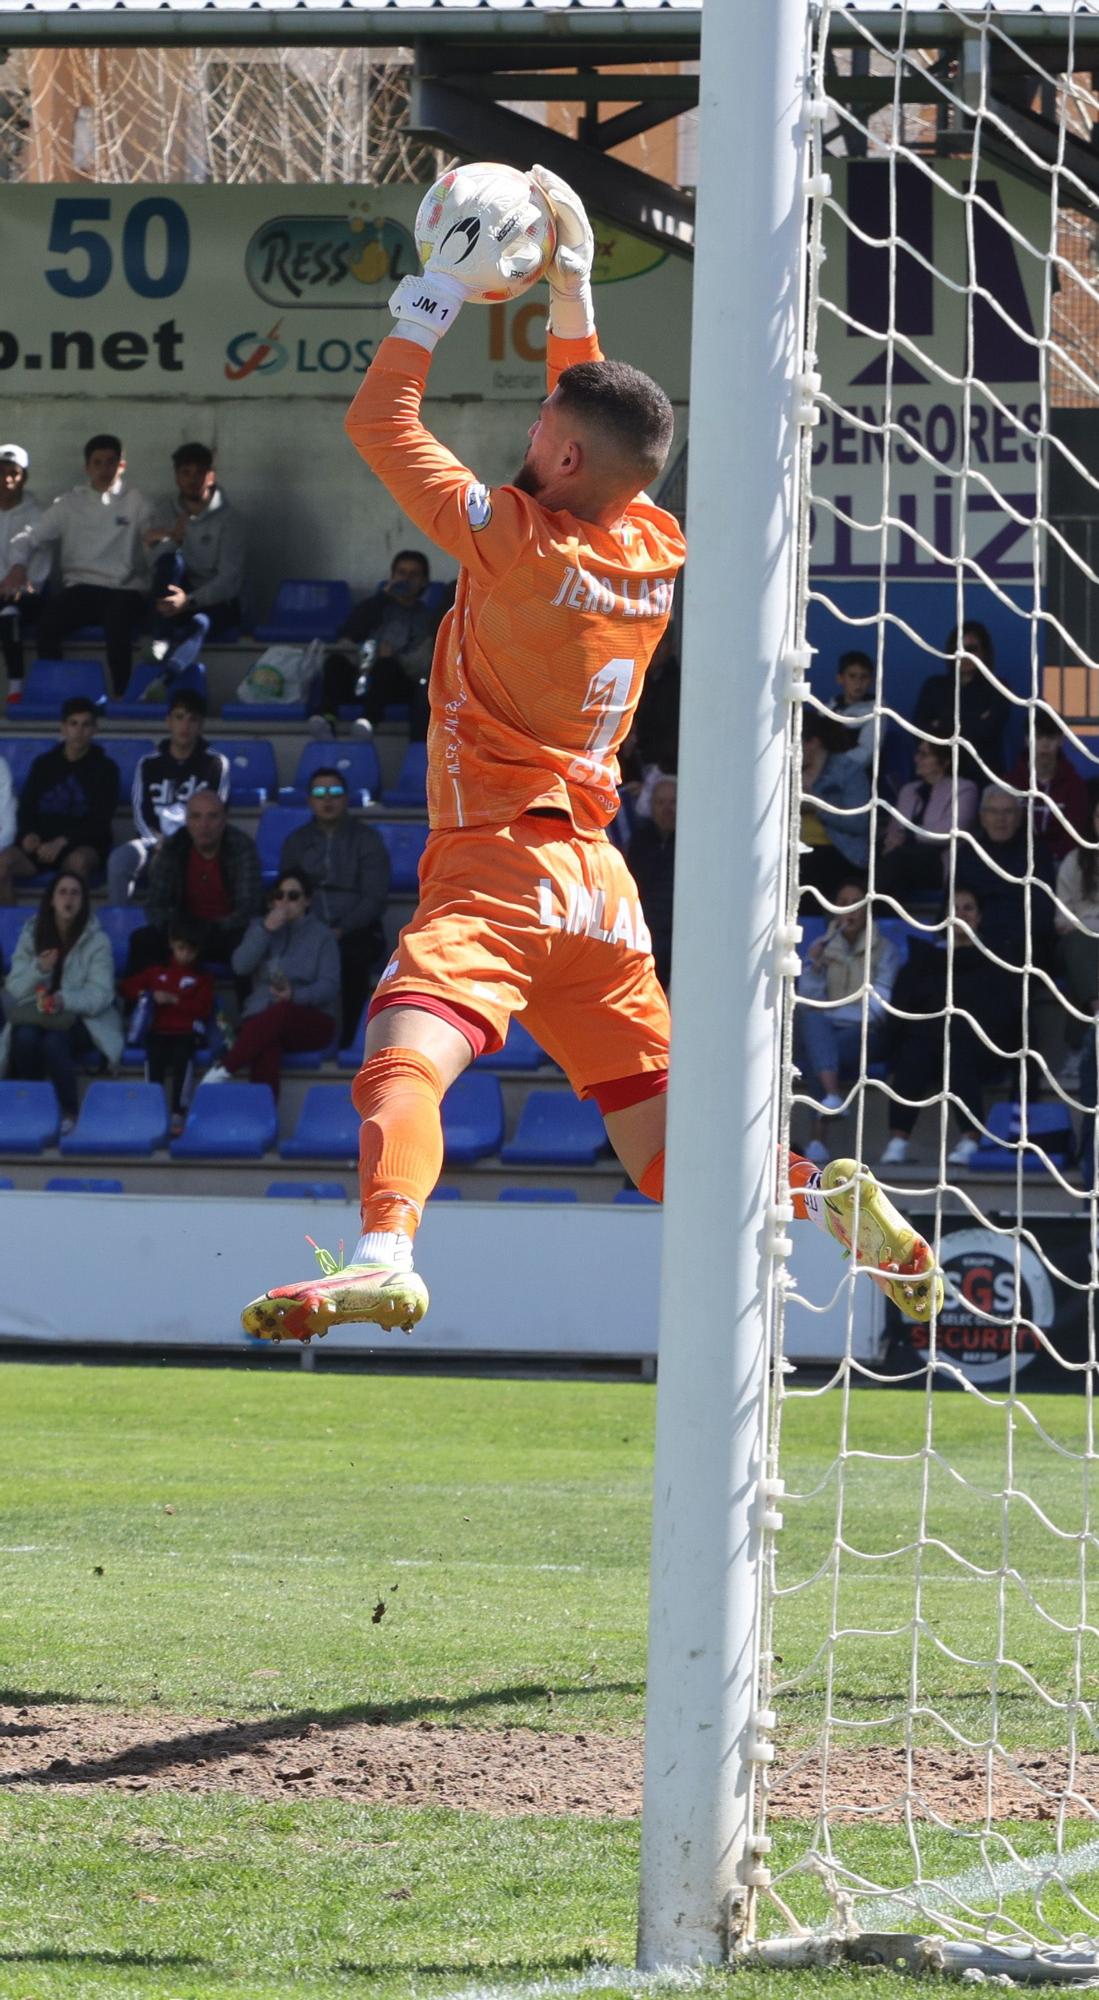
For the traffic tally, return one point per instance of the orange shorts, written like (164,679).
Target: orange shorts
(518,919)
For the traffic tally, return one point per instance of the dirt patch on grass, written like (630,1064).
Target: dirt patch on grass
(377,1762)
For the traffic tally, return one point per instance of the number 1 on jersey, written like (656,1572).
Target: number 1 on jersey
(608,696)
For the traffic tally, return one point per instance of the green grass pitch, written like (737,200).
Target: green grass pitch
(213,1543)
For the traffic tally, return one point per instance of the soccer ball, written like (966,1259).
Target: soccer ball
(489,226)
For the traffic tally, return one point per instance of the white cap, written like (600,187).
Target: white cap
(15,455)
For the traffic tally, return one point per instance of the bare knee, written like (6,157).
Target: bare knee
(637,1134)
(414,1028)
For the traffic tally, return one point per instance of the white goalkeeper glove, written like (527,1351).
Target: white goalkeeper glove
(572,314)
(426,306)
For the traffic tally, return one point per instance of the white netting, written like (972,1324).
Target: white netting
(234,115)
(931,1645)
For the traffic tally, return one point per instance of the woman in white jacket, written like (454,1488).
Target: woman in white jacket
(60,994)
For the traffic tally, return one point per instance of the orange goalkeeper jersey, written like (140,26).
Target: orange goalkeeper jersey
(538,667)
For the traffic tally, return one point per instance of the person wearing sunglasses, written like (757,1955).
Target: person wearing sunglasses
(348,864)
(294,963)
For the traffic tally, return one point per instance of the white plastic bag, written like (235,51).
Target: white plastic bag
(282,673)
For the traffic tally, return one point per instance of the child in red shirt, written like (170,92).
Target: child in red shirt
(182,999)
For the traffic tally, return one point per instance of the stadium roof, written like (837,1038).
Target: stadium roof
(368,20)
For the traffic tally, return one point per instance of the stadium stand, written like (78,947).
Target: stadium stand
(537,1194)
(357,763)
(83,1184)
(473,1117)
(405,843)
(411,787)
(274,824)
(306,608)
(50,682)
(556,1129)
(29,1116)
(306,1191)
(327,1128)
(253,772)
(1047,1125)
(228,1121)
(119,1117)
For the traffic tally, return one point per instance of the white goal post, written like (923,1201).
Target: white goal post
(874,1641)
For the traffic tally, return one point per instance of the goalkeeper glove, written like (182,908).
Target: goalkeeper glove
(572,315)
(426,307)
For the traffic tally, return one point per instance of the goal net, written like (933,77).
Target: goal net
(927,1757)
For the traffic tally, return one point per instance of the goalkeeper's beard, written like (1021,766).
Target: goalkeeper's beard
(527,480)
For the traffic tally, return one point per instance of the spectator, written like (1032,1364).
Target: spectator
(182,764)
(400,626)
(182,998)
(59,995)
(198,567)
(977,987)
(99,529)
(966,701)
(853,957)
(1077,925)
(66,805)
(1001,849)
(348,863)
(854,701)
(933,802)
(18,611)
(208,870)
(835,815)
(295,997)
(1057,782)
(651,861)
(7,807)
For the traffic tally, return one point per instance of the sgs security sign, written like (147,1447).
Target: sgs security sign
(1011,1311)
(254,292)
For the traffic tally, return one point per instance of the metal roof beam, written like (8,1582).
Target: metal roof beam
(588,87)
(468,125)
(656,34)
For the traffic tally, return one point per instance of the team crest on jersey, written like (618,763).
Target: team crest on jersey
(478,506)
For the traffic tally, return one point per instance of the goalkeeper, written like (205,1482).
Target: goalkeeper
(566,586)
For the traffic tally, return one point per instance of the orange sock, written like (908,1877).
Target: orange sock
(397,1094)
(652,1180)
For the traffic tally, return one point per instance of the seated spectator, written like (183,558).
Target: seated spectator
(198,566)
(964,701)
(59,996)
(933,802)
(1058,783)
(66,805)
(98,528)
(835,814)
(1001,848)
(1077,926)
(920,1047)
(18,610)
(653,741)
(182,764)
(852,955)
(854,702)
(295,1000)
(182,1000)
(399,628)
(209,870)
(347,861)
(651,860)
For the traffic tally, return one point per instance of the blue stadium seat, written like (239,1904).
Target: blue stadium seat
(127,752)
(327,1127)
(351,1057)
(19,752)
(406,842)
(537,1194)
(119,1118)
(6,1181)
(520,1051)
(253,772)
(473,1117)
(120,920)
(275,823)
(228,1121)
(1048,1125)
(29,1117)
(445,1194)
(357,762)
(633,1198)
(130,707)
(12,920)
(83,1184)
(411,786)
(306,608)
(306,1191)
(50,682)
(556,1129)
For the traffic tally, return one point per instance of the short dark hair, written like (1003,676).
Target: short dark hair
(183,929)
(193,454)
(628,407)
(826,729)
(103,441)
(188,698)
(78,704)
(327,771)
(411,555)
(293,875)
(955,641)
(1048,725)
(855,659)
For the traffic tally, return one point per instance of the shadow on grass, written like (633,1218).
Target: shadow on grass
(225,1740)
(494,1969)
(55,1955)
(43,1698)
